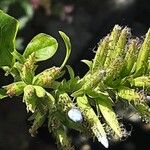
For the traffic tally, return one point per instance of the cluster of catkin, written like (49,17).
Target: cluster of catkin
(119,71)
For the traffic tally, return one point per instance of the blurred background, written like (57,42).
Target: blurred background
(85,22)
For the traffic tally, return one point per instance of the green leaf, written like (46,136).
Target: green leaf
(70,70)
(68,47)
(88,63)
(105,106)
(18,56)
(92,119)
(44,46)
(8,30)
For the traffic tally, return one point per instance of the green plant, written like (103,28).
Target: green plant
(118,72)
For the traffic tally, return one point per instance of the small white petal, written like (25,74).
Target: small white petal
(104,141)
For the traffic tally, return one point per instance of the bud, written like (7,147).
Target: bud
(94,79)
(89,82)
(40,92)
(92,119)
(46,77)
(15,89)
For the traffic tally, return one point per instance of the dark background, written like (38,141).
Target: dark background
(86,23)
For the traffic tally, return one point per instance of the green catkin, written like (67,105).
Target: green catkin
(38,122)
(92,119)
(105,106)
(142,60)
(63,141)
(114,70)
(46,77)
(101,54)
(121,44)
(113,39)
(143,81)
(130,58)
(64,102)
(30,98)
(91,81)
(15,89)
(57,129)
(27,70)
(143,109)
(130,94)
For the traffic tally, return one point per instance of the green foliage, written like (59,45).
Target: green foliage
(8,30)
(43,46)
(119,71)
